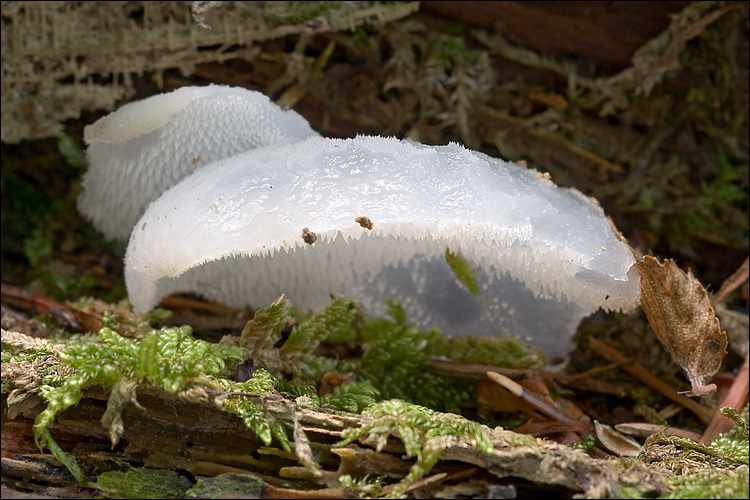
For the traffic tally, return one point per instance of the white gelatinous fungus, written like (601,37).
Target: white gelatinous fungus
(531,251)
(146,147)
(260,205)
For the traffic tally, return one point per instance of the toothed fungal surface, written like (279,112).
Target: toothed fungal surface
(146,147)
(543,257)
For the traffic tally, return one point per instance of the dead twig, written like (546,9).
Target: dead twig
(741,275)
(18,297)
(737,398)
(536,401)
(640,372)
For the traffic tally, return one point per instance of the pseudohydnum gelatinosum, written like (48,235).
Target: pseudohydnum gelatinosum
(541,257)
(148,146)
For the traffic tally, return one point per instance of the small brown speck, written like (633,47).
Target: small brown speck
(521,163)
(308,236)
(544,176)
(196,159)
(144,226)
(364,222)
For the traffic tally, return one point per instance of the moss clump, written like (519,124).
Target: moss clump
(236,401)
(227,486)
(395,358)
(142,483)
(718,470)
(710,484)
(262,334)
(423,432)
(507,352)
(364,487)
(168,358)
(353,397)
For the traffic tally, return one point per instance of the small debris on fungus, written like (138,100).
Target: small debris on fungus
(308,236)
(364,222)
(544,176)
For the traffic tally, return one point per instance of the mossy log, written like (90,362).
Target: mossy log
(189,445)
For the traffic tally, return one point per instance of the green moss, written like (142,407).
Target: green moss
(514,439)
(264,330)
(507,352)
(741,429)
(722,471)
(366,486)
(351,396)
(683,455)
(39,248)
(718,470)
(262,334)
(360,36)
(334,323)
(588,441)
(253,416)
(395,358)
(453,51)
(71,151)
(711,484)
(227,486)
(423,432)
(168,358)
(393,366)
(41,363)
(142,483)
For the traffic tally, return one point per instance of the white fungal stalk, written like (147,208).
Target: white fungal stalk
(378,218)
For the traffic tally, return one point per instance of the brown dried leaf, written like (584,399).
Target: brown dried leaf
(677,307)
